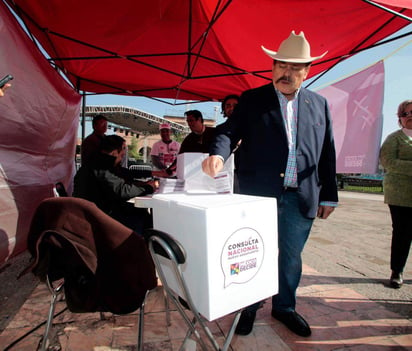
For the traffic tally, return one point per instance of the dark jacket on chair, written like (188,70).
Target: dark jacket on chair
(105,266)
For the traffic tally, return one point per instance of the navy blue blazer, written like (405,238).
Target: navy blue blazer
(262,155)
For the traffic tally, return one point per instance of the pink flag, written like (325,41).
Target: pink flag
(356,107)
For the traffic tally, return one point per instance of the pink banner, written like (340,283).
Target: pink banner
(356,107)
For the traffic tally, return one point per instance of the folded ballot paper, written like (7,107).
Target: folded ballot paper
(192,179)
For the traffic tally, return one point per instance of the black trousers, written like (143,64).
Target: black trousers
(401,236)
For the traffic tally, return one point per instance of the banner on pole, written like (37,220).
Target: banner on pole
(356,108)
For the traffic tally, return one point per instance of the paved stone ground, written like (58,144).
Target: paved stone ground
(344,294)
(354,245)
(13,291)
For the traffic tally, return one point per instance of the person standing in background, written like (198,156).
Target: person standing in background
(396,158)
(91,144)
(164,151)
(228,105)
(201,136)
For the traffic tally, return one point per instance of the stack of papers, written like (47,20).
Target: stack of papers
(221,184)
(191,178)
(170,185)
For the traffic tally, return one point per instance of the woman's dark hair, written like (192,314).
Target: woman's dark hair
(231,96)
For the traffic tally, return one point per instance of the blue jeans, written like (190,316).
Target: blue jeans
(293,231)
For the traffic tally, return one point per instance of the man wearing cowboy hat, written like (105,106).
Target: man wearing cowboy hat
(287,152)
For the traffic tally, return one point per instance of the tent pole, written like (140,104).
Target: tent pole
(145,150)
(388,10)
(83,115)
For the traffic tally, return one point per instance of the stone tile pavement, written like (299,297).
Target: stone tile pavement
(343,294)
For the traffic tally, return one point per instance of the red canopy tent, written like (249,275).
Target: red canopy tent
(199,50)
(177,49)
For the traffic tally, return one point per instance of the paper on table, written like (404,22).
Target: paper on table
(170,185)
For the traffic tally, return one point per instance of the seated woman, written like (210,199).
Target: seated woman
(104,182)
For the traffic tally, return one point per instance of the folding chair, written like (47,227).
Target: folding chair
(163,246)
(142,171)
(100,264)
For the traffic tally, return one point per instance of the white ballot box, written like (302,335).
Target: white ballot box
(231,246)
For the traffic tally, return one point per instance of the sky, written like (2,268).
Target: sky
(397,58)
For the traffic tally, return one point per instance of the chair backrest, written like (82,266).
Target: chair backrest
(141,167)
(165,245)
(141,171)
(88,240)
(173,281)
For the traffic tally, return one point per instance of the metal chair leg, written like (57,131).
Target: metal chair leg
(163,245)
(55,292)
(140,327)
(140,335)
(167,308)
(231,331)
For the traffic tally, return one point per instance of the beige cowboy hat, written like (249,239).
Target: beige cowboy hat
(293,49)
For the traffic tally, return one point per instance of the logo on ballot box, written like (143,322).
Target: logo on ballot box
(242,256)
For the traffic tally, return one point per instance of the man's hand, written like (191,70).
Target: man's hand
(325,211)
(154,184)
(212,165)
